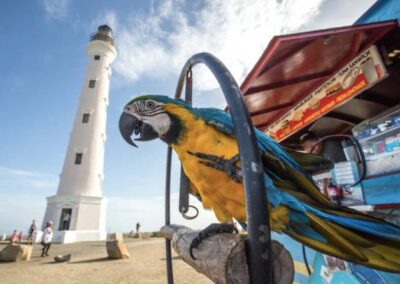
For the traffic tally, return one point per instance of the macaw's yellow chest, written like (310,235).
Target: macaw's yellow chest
(216,189)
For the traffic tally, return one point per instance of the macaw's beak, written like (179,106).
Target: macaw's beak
(129,124)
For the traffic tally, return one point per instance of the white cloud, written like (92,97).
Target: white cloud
(18,210)
(157,45)
(16,179)
(56,9)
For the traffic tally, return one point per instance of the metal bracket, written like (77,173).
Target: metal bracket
(184,190)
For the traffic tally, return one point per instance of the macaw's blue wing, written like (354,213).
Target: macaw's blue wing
(308,215)
(223,122)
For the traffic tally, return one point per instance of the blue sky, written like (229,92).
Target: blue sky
(43,62)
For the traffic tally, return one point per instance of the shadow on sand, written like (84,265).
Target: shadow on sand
(174,257)
(101,259)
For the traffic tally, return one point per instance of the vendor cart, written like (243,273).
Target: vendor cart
(343,85)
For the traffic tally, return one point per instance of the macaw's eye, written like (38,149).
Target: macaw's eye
(150,104)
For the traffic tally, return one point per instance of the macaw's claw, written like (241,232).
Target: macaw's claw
(227,166)
(209,231)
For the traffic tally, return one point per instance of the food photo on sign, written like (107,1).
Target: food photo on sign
(361,73)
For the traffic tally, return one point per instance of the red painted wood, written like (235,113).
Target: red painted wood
(294,65)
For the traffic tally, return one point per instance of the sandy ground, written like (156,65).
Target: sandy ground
(89,264)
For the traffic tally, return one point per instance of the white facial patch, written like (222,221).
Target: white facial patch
(160,122)
(151,112)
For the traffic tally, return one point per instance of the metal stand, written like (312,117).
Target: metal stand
(258,243)
(168,256)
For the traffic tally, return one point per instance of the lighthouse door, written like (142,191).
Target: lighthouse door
(65,219)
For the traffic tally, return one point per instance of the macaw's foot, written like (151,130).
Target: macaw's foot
(209,231)
(228,166)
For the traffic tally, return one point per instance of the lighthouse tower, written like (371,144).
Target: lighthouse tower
(78,209)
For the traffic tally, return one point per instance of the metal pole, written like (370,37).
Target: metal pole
(184,186)
(258,243)
(168,257)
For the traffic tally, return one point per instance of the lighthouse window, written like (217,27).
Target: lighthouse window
(78,158)
(92,84)
(85,118)
(97,57)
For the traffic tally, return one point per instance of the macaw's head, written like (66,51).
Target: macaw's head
(148,118)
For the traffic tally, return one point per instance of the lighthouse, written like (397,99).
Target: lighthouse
(78,209)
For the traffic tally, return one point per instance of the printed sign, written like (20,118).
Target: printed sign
(360,74)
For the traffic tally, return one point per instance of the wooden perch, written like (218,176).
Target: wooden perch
(222,257)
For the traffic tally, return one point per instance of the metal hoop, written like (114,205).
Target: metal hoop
(187,217)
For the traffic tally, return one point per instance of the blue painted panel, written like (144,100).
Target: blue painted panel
(382,10)
(295,249)
(322,274)
(382,190)
(355,274)
(366,275)
(301,279)
(350,273)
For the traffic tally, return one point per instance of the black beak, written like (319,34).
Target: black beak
(127,124)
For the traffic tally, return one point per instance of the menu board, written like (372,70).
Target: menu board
(360,74)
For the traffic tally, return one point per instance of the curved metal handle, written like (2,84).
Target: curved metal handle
(258,240)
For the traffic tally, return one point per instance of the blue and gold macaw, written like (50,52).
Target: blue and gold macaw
(204,141)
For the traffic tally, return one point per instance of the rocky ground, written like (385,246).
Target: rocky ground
(89,264)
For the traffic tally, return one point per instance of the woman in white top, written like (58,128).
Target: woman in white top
(47,237)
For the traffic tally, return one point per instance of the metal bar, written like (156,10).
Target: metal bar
(183,193)
(258,242)
(184,184)
(189,86)
(170,276)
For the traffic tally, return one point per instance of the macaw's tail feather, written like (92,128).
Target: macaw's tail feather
(299,209)
(310,163)
(337,231)
(356,237)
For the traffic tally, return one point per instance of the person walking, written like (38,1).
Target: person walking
(47,237)
(32,232)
